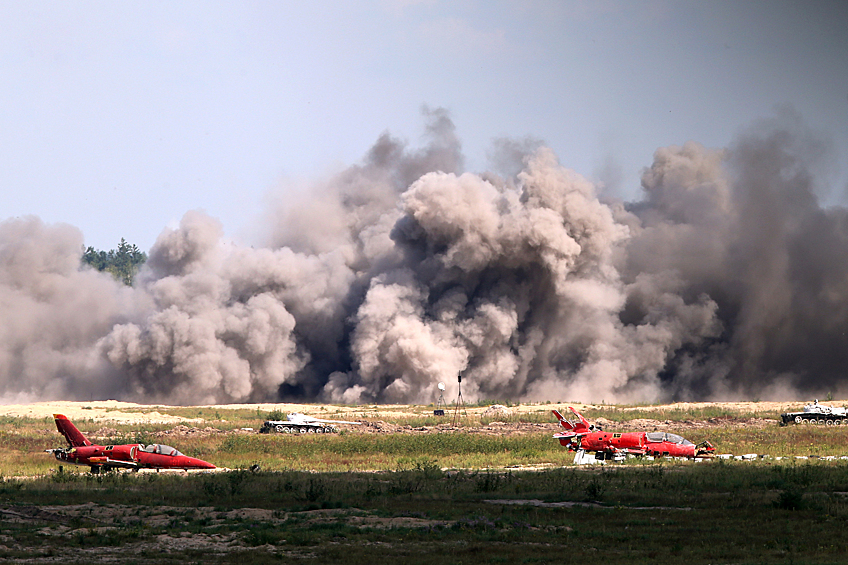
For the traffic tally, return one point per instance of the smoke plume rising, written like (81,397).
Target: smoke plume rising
(727,279)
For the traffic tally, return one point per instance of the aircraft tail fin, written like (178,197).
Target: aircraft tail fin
(581,426)
(70,431)
(562,421)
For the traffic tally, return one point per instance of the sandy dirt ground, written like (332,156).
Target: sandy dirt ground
(379,418)
(129,412)
(98,411)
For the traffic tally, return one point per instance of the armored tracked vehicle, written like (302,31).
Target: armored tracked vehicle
(816,413)
(297,423)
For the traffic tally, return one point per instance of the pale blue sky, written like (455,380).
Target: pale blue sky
(118,117)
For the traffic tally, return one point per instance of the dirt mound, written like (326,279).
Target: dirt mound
(497,411)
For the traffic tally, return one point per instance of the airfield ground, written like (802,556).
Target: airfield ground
(129,412)
(409,487)
(385,418)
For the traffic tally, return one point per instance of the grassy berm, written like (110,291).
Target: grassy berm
(446,496)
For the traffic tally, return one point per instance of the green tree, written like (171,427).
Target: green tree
(123,263)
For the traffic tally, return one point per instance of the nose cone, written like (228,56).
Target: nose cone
(193,463)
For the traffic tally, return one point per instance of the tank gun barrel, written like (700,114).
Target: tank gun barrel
(334,421)
(298,417)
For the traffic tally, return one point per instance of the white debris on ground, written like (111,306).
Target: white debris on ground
(582,457)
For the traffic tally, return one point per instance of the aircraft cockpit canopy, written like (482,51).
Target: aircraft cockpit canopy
(160,449)
(671,438)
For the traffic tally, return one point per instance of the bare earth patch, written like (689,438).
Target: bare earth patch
(98,411)
(102,519)
(131,413)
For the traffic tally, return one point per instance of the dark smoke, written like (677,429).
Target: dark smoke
(728,279)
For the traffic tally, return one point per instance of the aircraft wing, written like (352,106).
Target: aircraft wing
(570,434)
(113,462)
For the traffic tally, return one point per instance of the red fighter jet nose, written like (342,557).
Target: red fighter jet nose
(200,464)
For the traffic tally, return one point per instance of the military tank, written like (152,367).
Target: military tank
(816,413)
(297,423)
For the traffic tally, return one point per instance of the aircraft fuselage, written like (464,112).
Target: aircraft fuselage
(135,456)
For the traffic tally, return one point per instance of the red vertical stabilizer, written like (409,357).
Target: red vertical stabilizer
(70,431)
(582,426)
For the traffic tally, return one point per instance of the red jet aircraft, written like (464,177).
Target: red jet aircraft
(133,456)
(582,435)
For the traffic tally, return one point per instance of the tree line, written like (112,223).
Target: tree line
(122,263)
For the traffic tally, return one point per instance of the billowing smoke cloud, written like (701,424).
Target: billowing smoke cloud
(727,279)
(53,313)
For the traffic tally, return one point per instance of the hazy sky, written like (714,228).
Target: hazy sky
(118,117)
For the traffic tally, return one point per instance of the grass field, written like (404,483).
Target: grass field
(453,497)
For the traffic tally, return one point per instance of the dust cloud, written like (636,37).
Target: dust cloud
(728,279)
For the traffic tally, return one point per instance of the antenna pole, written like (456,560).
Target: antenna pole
(459,402)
